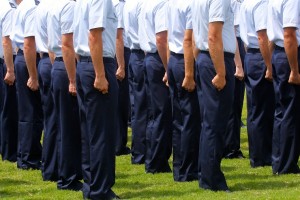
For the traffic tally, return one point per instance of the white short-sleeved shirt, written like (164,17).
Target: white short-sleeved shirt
(41,35)
(24,22)
(282,14)
(6,11)
(236,4)
(91,14)
(119,7)
(59,22)
(180,20)
(253,18)
(207,11)
(131,13)
(153,20)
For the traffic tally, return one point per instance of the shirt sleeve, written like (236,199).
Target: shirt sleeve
(291,16)
(160,17)
(98,13)
(29,22)
(119,12)
(7,23)
(216,11)
(260,16)
(189,24)
(67,18)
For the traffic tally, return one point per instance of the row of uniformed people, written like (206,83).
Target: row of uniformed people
(153,140)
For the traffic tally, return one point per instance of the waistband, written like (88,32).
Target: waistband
(278,48)
(44,55)
(226,54)
(137,51)
(1,61)
(176,54)
(89,59)
(59,59)
(153,54)
(253,50)
(20,52)
(127,49)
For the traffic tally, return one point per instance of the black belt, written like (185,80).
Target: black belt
(253,50)
(85,58)
(226,54)
(89,59)
(176,54)
(137,51)
(278,48)
(44,55)
(59,59)
(20,52)
(126,49)
(1,61)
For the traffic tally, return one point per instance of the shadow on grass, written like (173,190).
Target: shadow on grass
(6,182)
(150,193)
(264,185)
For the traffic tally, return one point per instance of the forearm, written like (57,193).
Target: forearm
(162,47)
(30,57)
(264,48)
(8,54)
(188,54)
(215,45)
(69,56)
(69,61)
(120,49)
(96,48)
(237,57)
(291,49)
(51,56)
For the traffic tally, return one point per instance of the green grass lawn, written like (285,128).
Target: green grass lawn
(133,183)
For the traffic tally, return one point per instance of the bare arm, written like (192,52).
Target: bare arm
(162,47)
(188,81)
(239,71)
(96,47)
(263,41)
(120,55)
(30,58)
(291,49)
(215,43)
(51,56)
(8,57)
(69,60)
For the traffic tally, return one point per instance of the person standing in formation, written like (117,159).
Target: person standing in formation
(185,107)
(95,36)
(283,32)
(30,122)
(153,40)
(214,36)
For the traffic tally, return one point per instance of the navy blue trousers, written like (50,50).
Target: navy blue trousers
(139,124)
(233,134)
(261,107)
(159,134)
(101,120)
(216,109)
(68,137)
(186,123)
(123,108)
(30,122)
(49,153)
(286,138)
(1,96)
(85,147)
(9,120)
